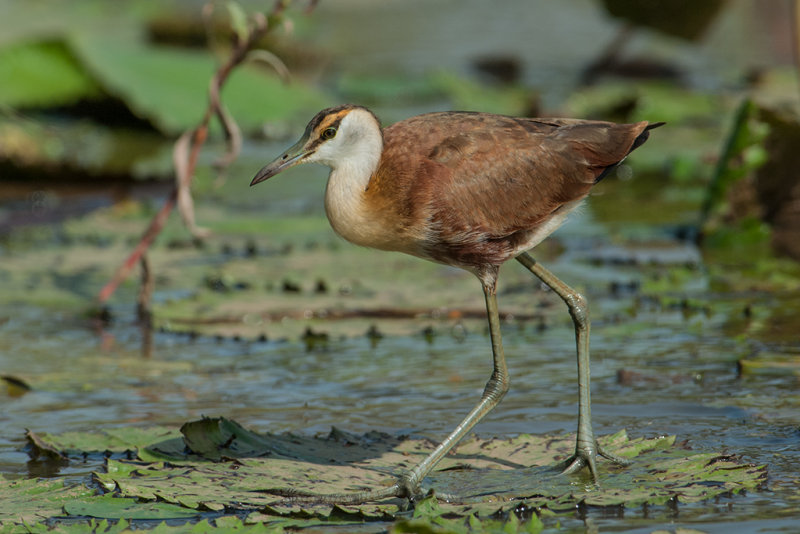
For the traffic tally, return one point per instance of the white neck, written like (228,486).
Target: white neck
(353,156)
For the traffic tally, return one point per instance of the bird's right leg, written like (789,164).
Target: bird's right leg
(409,484)
(586,447)
(495,389)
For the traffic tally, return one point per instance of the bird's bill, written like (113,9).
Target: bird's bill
(290,158)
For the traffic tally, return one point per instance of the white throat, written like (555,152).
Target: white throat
(353,156)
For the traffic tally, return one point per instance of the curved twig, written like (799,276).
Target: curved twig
(271,60)
(187,149)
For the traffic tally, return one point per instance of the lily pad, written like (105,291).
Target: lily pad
(226,466)
(770,363)
(43,74)
(220,465)
(78,444)
(31,501)
(110,507)
(168,86)
(429,516)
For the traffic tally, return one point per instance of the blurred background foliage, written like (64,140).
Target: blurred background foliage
(84,75)
(692,244)
(100,90)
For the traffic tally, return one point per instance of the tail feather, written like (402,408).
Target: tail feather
(639,141)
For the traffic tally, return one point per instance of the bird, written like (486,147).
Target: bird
(470,190)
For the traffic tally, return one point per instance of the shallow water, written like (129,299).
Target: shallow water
(679,376)
(664,362)
(667,336)
(665,349)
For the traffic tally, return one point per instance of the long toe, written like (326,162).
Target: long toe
(612,457)
(396,490)
(409,488)
(578,461)
(587,457)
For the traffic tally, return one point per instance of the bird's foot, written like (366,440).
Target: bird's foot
(406,488)
(586,456)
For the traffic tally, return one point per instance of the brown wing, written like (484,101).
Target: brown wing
(476,180)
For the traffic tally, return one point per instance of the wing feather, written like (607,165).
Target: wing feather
(477,181)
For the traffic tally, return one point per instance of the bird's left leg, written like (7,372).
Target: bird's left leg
(586,447)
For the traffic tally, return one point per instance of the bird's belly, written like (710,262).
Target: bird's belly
(473,249)
(536,235)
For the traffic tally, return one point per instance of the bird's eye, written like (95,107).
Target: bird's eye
(328,133)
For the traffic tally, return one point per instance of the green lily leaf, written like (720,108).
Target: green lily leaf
(168,86)
(42,74)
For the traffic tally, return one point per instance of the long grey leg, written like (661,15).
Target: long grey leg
(495,389)
(586,447)
(408,486)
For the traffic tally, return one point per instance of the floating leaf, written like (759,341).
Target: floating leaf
(15,387)
(42,74)
(169,86)
(30,500)
(429,517)
(78,444)
(775,363)
(222,465)
(480,477)
(213,438)
(111,507)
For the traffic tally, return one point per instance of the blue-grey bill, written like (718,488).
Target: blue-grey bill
(290,158)
(276,166)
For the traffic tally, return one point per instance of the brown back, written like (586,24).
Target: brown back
(476,179)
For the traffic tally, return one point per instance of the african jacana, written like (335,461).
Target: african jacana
(471,190)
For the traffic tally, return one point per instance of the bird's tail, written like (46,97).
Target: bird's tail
(639,141)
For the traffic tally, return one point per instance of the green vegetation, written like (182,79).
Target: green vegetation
(688,255)
(217,466)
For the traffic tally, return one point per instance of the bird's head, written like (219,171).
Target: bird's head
(342,134)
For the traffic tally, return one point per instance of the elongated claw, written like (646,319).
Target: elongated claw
(613,458)
(587,457)
(406,488)
(357,497)
(577,462)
